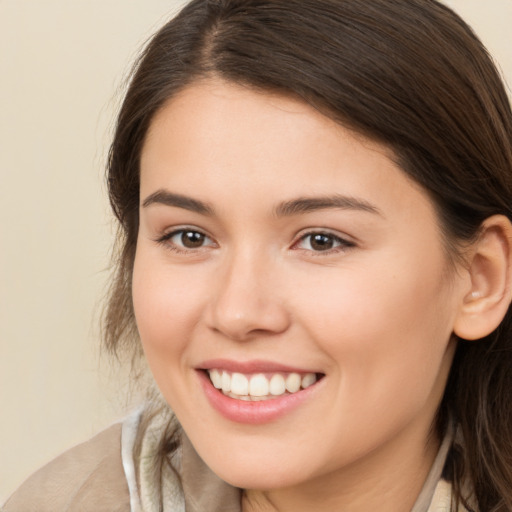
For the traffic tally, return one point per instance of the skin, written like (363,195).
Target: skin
(374,314)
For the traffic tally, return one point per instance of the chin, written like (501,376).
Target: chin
(257,468)
(259,478)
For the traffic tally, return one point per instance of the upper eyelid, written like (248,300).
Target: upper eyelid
(166,235)
(324,231)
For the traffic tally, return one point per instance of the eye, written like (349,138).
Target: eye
(322,242)
(186,239)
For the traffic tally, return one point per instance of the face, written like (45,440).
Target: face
(293,265)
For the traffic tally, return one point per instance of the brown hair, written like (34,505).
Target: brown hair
(407,73)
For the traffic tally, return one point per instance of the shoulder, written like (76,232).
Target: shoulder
(90,476)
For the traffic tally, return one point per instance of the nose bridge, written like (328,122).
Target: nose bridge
(247,298)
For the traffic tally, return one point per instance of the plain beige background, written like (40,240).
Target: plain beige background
(61,63)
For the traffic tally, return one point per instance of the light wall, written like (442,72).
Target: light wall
(61,63)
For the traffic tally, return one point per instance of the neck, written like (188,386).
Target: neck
(389,480)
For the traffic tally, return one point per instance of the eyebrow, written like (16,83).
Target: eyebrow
(311,204)
(171,199)
(297,206)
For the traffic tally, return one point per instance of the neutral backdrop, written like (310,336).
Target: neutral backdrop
(62,64)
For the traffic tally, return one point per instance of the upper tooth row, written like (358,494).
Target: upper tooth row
(259,384)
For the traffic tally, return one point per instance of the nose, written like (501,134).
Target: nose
(248,300)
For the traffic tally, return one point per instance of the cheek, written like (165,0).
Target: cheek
(386,332)
(167,306)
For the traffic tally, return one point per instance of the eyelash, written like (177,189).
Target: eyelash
(341,244)
(166,240)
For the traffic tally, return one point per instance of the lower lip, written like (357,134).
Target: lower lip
(254,413)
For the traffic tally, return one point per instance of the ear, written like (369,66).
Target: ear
(490,272)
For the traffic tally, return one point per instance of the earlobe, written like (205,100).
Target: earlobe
(490,270)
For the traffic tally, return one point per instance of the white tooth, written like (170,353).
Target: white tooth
(226,382)
(277,386)
(258,385)
(293,382)
(308,380)
(258,398)
(238,397)
(239,384)
(216,378)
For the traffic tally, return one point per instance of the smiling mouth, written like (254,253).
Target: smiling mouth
(260,386)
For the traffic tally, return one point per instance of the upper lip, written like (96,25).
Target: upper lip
(248,367)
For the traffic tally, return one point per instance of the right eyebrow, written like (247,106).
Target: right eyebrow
(179,201)
(303,205)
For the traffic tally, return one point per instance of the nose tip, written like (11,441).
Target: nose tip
(241,325)
(242,309)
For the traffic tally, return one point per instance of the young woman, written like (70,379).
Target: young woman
(315,257)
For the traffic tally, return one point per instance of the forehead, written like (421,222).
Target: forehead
(226,112)
(221,141)
(208,106)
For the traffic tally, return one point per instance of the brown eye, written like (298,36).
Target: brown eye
(321,242)
(186,239)
(192,239)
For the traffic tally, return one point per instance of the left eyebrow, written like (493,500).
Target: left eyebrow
(303,205)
